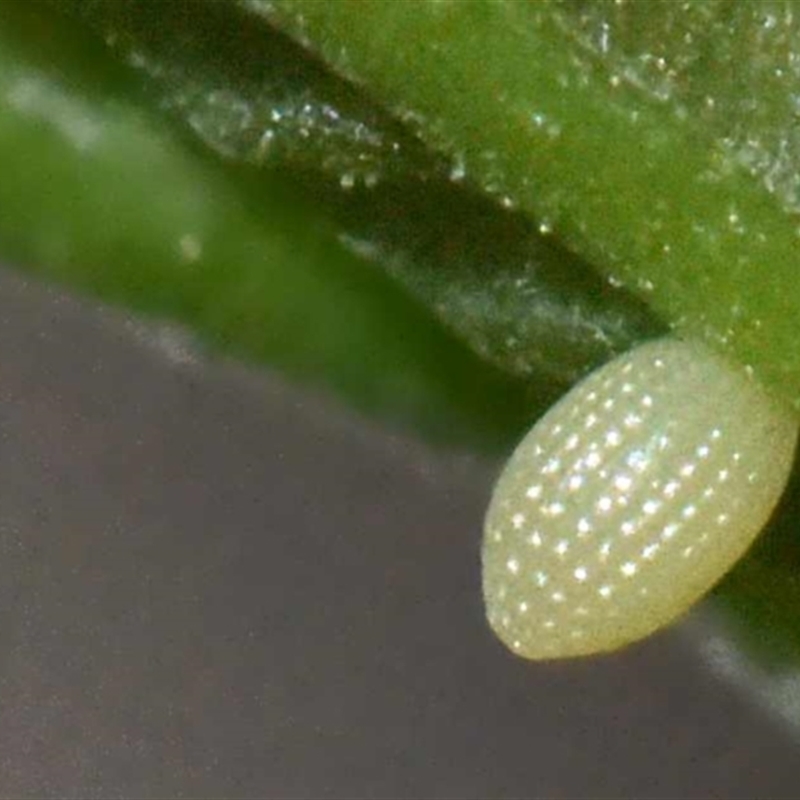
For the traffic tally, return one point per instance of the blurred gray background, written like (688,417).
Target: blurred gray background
(214,584)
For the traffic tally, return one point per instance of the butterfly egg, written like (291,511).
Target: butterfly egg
(630,499)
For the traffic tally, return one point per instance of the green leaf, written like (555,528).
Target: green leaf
(656,139)
(517,297)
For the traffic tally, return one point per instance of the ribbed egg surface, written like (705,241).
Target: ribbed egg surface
(630,499)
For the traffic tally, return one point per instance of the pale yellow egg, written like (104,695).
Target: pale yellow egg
(630,499)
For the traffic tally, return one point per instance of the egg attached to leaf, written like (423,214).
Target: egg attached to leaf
(630,499)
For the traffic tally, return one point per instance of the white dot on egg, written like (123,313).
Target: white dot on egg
(604,504)
(650,551)
(637,460)
(552,465)
(623,482)
(651,507)
(593,460)
(671,489)
(625,528)
(553,509)
(669,531)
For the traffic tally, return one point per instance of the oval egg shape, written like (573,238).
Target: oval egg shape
(630,499)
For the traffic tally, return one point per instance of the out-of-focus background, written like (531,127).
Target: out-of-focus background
(214,584)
